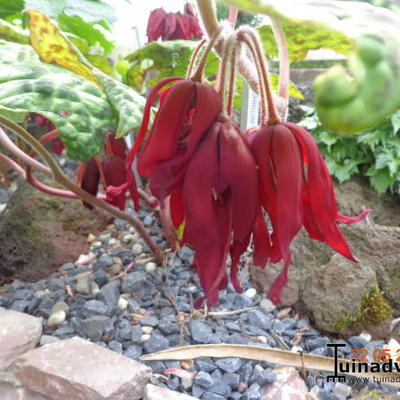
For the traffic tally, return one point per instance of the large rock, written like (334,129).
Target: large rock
(39,232)
(18,333)
(333,291)
(10,392)
(80,370)
(288,386)
(154,392)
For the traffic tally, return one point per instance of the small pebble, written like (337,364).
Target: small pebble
(56,319)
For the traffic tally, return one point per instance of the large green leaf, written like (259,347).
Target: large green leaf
(87,30)
(53,46)
(168,58)
(9,7)
(359,100)
(88,10)
(78,108)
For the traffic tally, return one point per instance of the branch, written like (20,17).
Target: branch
(63,180)
(17,152)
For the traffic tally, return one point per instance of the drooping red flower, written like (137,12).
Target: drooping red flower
(186,112)
(113,169)
(295,190)
(173,26)
(217,203)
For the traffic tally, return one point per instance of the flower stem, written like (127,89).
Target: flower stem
(193,58)
(198,74)
(263,97)
(284,73)
(18,153)
(226,60)
(273,117)
(63,180)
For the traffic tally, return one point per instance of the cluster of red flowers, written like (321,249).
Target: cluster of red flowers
(173,26)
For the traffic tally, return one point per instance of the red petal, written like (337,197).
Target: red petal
(208,222)
(351,220)
(261,241)
(321,215)
(169,27)
(118,146)
(57,146)
(274,293)
(115,175)
(155,25)
(90,180)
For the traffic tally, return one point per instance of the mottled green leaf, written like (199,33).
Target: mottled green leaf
(304,37)
(77,107)
(128,105)
(355,101)
(395,119)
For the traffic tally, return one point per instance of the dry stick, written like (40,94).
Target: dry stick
(193,58)
(263,97)
(272,114)
(61,178)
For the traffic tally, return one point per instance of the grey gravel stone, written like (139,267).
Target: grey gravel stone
(205,365)
(200,331)
(168,328)
(174,383)
(259,319)
(137,282)
(93,327)
(109,294)
(358,342)
(104,261)
(324,394)
(158,367)
(100,277)
(197,391)
(149,320)
(232,379)
(20,305)
(115,346)
(125,333)
(203,379)
(155,343)
(212,396)
(229,364)
(221,388)
(133,351)
(55,284)
(94,307)
(262,376)
(67,267)
(252,393)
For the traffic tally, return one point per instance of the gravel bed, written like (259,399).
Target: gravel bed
(123,301)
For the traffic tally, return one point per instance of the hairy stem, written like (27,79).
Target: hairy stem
(198,74)
(193,58)
(63,180)
(273,117)
(284,72)
(263,97)
(226,60)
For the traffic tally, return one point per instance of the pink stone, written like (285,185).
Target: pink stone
(19,333)
(153,392)
(9,392)
(80,370)
(288,386)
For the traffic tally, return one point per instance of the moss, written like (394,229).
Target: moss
(374,310)
(375,395)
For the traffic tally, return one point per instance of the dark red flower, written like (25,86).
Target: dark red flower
(173,26)
(295,190)
(113,169)
(184,116)
(217,202)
